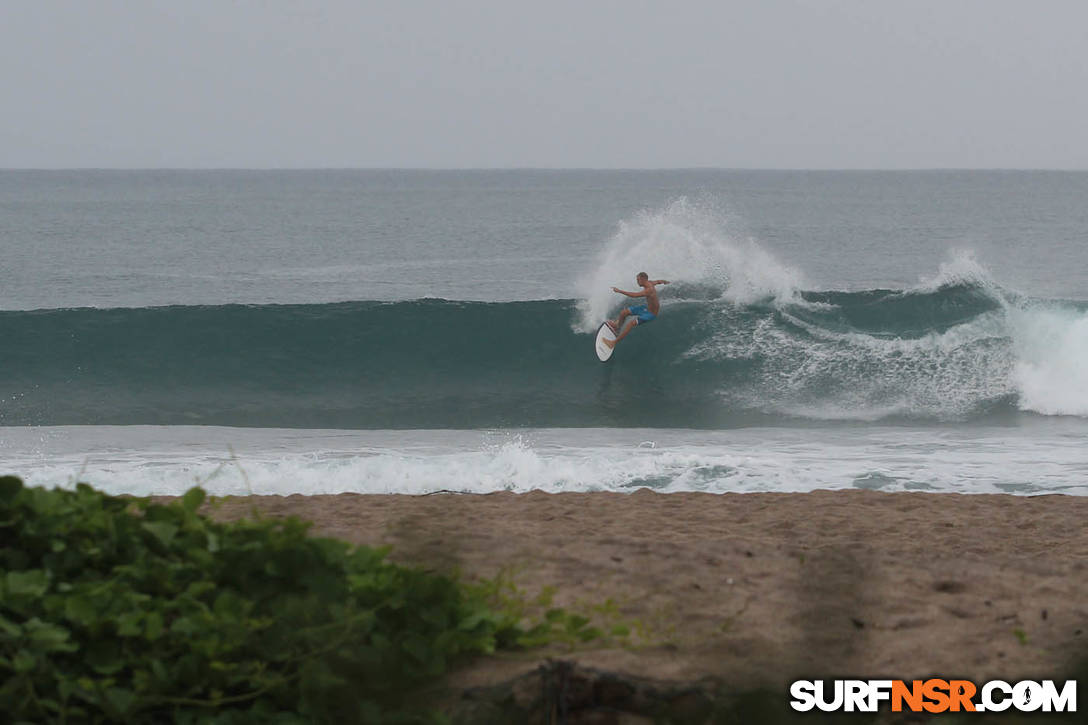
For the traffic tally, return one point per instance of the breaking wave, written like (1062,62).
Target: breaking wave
(957,347)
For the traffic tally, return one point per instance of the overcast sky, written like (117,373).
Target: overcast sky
(760,84)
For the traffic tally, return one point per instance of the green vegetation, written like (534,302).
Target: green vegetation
(116,609)
(555,625)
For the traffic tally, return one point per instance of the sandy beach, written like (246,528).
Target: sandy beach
(760,589)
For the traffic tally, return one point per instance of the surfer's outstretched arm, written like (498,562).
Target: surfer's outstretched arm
(660,281)
(641,293)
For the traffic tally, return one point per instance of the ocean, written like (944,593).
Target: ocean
(418,331)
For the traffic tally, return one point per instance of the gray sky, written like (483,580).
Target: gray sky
(760,84)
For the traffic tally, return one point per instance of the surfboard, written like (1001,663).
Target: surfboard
(604,332)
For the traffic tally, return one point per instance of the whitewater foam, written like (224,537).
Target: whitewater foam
(974,348)
(1051,349)
(1047,457)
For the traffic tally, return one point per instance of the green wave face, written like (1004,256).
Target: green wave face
(442,364)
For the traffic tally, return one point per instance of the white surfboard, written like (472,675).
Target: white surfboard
(604,332)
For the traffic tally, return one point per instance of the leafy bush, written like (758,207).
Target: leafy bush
(116,609)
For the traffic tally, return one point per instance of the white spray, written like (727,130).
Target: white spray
(690,245)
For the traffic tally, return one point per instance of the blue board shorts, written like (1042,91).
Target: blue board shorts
(643,314)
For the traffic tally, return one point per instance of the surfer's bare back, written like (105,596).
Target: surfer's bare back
(642,313)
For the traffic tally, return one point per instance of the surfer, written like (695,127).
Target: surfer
(640,314)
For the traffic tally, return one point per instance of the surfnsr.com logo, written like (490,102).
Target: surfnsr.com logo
(933,695)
